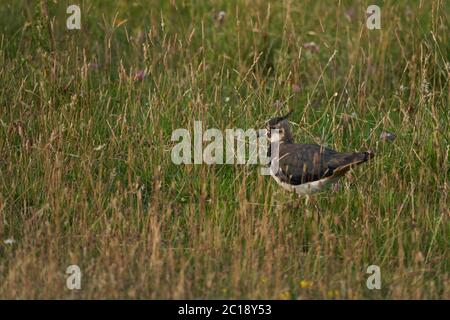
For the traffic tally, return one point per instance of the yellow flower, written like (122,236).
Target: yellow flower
(305,284)
(333,294)
(285,295)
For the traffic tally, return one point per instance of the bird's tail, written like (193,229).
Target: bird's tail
(350,160)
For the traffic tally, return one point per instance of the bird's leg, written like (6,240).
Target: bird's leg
(312,201)
(302,202)
(292,204)
(307,199)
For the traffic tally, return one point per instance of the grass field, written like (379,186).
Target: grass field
(86,176)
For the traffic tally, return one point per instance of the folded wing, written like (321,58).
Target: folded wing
(303,163)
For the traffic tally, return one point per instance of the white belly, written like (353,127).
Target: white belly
(305,188)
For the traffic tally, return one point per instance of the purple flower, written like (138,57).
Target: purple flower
(94,66)
(350,13)
(387,136)
(311,46)
(139,75)
(295,88)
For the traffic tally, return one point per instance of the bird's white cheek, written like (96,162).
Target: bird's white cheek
(275,137)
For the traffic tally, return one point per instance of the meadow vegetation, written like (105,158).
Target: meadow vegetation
(86,177)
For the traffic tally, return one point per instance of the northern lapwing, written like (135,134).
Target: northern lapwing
(306,168)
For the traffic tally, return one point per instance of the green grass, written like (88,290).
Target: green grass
(86,175)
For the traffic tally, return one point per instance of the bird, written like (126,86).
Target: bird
(306,168)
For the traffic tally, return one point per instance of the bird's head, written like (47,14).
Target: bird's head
(278,129)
